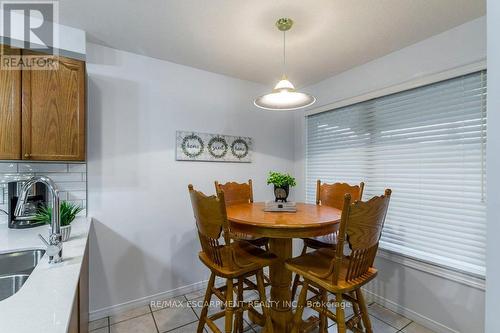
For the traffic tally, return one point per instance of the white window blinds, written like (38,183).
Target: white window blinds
(428,145)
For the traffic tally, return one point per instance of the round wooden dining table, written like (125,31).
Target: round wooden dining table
(281,227)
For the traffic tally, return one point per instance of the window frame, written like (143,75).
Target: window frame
(463,277)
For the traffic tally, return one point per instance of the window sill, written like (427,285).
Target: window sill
(430,268)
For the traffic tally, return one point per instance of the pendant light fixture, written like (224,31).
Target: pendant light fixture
(284,95)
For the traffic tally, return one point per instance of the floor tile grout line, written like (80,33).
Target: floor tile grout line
(411,321)
(251,328)
(385,322)
(173,329)
(204,329)
(121,321)
(389,324)
(154,320)
(192,309)
(98,328)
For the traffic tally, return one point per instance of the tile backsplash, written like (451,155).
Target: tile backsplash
(71,178)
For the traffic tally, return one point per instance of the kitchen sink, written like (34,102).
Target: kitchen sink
(15,268)
(10,284)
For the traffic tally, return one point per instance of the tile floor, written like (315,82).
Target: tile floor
(180,315)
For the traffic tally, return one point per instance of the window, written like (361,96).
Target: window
(428,145)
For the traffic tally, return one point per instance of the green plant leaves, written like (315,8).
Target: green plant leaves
(280,179)
(68,212)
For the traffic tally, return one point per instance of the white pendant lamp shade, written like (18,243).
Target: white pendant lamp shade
(284,96)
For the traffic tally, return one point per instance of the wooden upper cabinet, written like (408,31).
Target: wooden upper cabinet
(10,110)
(53,112)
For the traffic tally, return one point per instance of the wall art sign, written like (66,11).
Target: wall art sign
(194,146)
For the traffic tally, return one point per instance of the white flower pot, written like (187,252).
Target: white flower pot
(65,232)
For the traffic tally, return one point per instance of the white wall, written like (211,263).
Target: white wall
(493,176)
(145,241)
(441,304)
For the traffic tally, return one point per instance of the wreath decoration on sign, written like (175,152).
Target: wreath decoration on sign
(239,155)
(215,140)
(185,141)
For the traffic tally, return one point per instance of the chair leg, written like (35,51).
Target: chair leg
(229,307)
(341,327)
(355,309)
(296,279)
(206,301)
(296,282)
(297,317)
(267,280)
(239,317)
(364,311)
(268,326)
(323,319)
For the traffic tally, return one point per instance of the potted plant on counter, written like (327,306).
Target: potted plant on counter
(68,212)
(282,183)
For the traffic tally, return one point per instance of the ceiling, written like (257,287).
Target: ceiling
(238,37)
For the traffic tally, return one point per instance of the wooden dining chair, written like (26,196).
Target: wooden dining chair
(328,195)
(343,274)
(234,260)
(236,193)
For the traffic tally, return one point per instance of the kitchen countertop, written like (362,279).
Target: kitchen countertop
(45,301)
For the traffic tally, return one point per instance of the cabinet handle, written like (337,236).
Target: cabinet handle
(27,155)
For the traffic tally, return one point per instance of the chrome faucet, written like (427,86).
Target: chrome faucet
(54,245)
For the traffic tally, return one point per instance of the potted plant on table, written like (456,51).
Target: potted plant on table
(282,183)
(67,213)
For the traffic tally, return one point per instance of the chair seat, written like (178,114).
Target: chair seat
(319,242)
(319,261)
(254,240)
(248,257)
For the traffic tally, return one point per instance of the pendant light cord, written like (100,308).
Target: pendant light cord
(284,52)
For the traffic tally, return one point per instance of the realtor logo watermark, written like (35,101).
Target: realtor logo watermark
(29,25)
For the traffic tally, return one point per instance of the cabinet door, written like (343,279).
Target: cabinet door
(10,110)
(53,112)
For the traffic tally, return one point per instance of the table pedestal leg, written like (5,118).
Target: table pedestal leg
(281,280)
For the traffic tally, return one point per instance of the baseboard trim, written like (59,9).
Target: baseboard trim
(410,314)
(118,308)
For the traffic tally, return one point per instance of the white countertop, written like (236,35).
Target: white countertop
(45,301)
